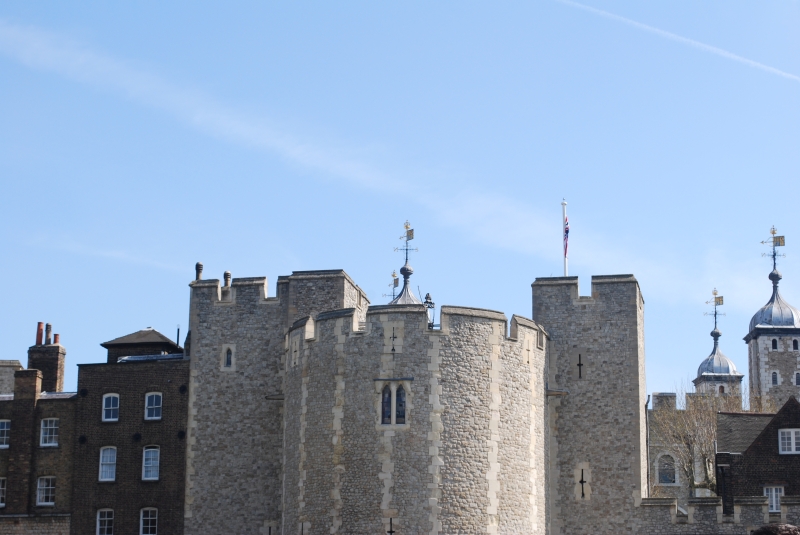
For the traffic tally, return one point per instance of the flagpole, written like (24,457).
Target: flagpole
(563,228)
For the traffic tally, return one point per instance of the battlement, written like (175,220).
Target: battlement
(704,515)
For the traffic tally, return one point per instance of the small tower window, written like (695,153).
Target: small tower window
(386,405)
(721,389)
(228,358)
(666,470)
(797,379)
(774,344)
(774,378)
(400,406)
(794,345)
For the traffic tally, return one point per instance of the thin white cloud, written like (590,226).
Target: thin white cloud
(50,52)
(685,40)
(495,220)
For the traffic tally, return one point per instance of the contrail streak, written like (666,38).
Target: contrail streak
(685,41)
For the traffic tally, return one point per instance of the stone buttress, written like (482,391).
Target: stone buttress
(596,396)
(235,441)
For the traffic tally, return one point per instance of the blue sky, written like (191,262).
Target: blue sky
(263,138)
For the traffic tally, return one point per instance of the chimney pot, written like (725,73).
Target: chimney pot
(56,338)
(39,333)
(227,278)
(198,271)
(48,329)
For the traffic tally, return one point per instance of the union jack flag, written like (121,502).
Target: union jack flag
(566,235)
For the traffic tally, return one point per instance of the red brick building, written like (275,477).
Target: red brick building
(109,459)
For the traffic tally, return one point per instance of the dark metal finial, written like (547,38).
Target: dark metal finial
(716,301)
(198,271)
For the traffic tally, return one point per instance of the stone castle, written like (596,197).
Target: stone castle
(314,412)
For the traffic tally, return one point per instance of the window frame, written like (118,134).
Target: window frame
(160,406)
(795,345)
(145,449)
(97,523)
(3,488)
(228,359)
(774,379)
(141,521)
(100,472)
(381,386)
(794,441)
(104,409)
(676,482)
(42,443)
(774,346)
(39,488)
(5,435)
(777,493)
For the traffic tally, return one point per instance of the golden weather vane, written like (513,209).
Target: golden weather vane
(774,242)
(717,300)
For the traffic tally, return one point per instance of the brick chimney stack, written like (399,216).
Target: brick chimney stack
(39,333)
(49,359)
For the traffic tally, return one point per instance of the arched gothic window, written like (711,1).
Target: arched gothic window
(774,378)
(400,406)
(794,345)
(774,344)
(721,389)
(666,469)
(228,358)
(386,405)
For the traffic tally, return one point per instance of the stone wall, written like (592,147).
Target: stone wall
(785,361)
(597,469)
(236,438)
(470,456)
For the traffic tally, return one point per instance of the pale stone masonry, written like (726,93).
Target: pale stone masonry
(597,356)
(462,462)
(235,446)
(313,412)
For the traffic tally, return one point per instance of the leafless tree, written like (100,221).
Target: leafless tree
(690,433)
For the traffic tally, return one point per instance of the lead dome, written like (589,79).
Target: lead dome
(777,312)
(717,363)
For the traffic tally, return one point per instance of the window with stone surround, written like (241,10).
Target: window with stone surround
(393,402)
(773,495)
(797,379)
(5,433)
(228,358)
(49,435)
(111,407)
(108,464)
(151,458)
(666,470)
(152,410)
(774,344)
(105,522)
(148,521)
(46,491)
(774,378)
(789,441)
(2,492)
(795,345)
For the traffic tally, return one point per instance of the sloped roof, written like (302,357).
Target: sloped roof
(147,336)
(737,430)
